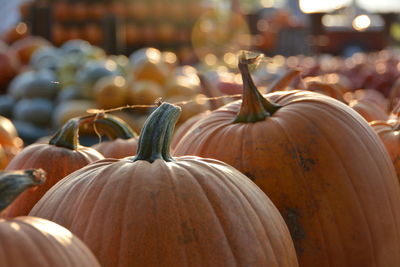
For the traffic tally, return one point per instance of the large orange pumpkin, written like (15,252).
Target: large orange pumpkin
(319,162)
(31,241)
(155,210)
(59,157)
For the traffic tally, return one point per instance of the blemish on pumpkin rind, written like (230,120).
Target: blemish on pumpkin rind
(188,234)
(291,216)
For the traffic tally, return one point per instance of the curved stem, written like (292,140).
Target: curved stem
(68,135)
(210,92)
(112,126)
(254,106)
(156,135)
(13,183)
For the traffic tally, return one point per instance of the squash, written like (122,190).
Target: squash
(9,134)
(59,157)
(147,64)
(91,72)
(319,162)
(37,111)
(110,92)
(35,84)
(7,103)
(26,46)
(67,110)
(122,140)
(144,92)
(31,241)
(156,210)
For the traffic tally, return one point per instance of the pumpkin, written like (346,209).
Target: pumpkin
(147,64)
(155,210)
(8,133)
(319,162)
(144,92)
(59,157)
(110,92)
(370,95)
(31,241)
(122,140)
(369,110)
(186,126)
(389,132)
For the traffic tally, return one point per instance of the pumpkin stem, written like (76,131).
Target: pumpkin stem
(156,135)
(13,183)
(210,92)
(111,126)
(254,106)
(68,135)
(283,82)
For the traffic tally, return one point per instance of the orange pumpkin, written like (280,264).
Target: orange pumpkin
(59,157)
(319,162)
(186,126)
(156,210)
(31,241)
(122,140)
(369,110)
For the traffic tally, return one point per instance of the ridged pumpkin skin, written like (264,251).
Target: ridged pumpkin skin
(184,211)
(30,242)
(57,161)
(390,136)
(185,127)
(323,167)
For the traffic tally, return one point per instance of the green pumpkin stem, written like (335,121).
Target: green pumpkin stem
(112,126)
(13,183)
(68,135)
(254,106)
(155,137)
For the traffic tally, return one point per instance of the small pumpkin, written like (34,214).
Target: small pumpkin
(156,210)
(369,110)
(32,241)
(59,157)
(122,140)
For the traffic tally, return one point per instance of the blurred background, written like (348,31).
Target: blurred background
(59,58)
(192,27)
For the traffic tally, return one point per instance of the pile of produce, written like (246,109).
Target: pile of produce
(60,83)
(274,161)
